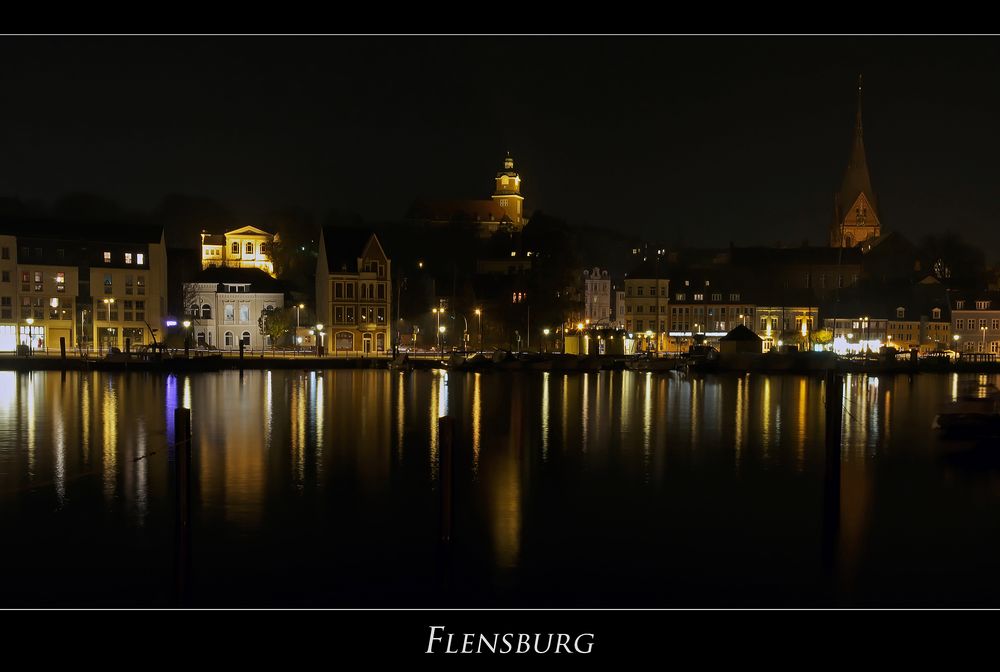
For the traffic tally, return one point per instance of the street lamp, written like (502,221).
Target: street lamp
(479,314)
(30,321)
(441,330)
(297,309)
(983,329)
(545,332)
(437,312)
(322,340)
(187,335)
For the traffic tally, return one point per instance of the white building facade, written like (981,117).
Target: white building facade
(597,296)
(226,312)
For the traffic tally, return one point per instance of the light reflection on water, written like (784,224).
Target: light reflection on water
(661,475)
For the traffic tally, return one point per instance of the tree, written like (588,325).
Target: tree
(274,323)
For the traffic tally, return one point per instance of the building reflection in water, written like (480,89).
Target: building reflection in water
(585,412)
(544,418)
(647,424)
(109,434)
(741,418)
(477,408)
(400,413)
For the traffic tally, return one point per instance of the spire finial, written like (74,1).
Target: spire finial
(859,105)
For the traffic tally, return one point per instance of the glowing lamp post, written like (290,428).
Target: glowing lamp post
(322,340)
(545,333)
(479,314)
(30,322)
(441,330)
(187,337)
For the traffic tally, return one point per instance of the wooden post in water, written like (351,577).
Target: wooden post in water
(182,490)
(62,347)
(831,483)
(446,461)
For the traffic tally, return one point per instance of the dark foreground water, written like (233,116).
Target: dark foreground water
(607,489)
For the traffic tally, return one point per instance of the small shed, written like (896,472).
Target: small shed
(741,340)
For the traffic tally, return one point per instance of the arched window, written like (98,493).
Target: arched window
(236,247)
(249,248)
(206,311)
(345,340)
(245,338)
(244,312)
(194,310)
(380,342)
(229,339)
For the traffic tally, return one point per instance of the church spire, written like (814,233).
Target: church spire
(856,211)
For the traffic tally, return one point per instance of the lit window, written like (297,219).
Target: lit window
(107,257)
(128,257)
(140,258)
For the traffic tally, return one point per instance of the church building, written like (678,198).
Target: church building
(855,209)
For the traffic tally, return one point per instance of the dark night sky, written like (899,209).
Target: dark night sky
(703,140)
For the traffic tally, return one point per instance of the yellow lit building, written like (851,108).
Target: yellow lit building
(245,247)
(353,292)
(502,212)
(91,287)
(855,217)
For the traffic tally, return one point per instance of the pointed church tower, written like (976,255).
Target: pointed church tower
(855,214)
(507,194)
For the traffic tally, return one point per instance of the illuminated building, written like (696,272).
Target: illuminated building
(224,306)
(855,214)
(705,305)
(94,286)
(245,247)
(975,319)
(646,304)
(503,212)
(597,296)
(354,291)
(775,323)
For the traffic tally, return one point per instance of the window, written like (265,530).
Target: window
(6,276)
(228,339)
(734,297)
(6,308)
(338,314)
(245,339)
(107,257)
(140,310)
(140,283)
(349,314)
(128,284)
(936,314)
(638,308)
(338,290)
(206,312)
(38,281)
(380,314)
(959,323)
(107,284)
(364,290)
(249,248)
(699,297)
(128,257)
(262,248)
(127,311)
(25,281)
(638,291)
(60,282)
(244,313)
(900,312)
(960,304)
(230,312)
(140,258)
(982,305)
(679,296)
(716,296)
(5,252)
(995,324)
(236,248)
(982,324)
(349,290)
(381,291)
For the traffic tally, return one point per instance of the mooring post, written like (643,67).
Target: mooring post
(446,460)
(831,483)
(182,489)
(62,347)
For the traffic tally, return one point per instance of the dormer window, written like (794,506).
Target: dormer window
(107,257)
(900,312)
(982,305)
(936,314)
(960,304)
(128,257)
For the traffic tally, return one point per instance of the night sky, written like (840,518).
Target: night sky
(694,140)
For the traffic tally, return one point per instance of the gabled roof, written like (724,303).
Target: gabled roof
(249,229)
(344,245)
(741,333)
